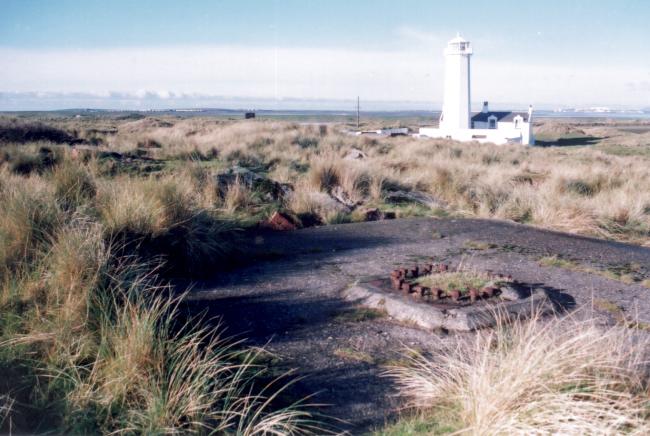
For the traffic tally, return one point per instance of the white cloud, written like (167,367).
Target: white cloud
(412,74)
(424,37)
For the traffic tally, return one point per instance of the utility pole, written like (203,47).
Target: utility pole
(357,112)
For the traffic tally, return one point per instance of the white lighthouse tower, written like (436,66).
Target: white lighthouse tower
(458,123)
(456,106)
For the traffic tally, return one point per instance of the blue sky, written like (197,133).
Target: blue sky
(167,53)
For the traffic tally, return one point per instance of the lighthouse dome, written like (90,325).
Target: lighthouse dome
(458,46)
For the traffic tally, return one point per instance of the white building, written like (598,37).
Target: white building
(459,123)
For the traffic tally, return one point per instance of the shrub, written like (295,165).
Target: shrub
(14,131)
(164,218)
(24,161)
(324,174)
(28,217)
(562,376)
(73,185)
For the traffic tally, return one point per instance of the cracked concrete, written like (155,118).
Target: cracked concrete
(287,296)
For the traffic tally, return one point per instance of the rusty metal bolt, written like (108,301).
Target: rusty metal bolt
(406,287)
(454,294)
(473,295)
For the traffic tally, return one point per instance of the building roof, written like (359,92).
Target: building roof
(501,116)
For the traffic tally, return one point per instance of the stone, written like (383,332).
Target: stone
(340,195)
(429,317)
(326,203)
(355,154)
(510,293)
(279,221)
(371,214)
(417,197)
(271,189)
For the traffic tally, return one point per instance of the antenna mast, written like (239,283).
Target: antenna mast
(357,112)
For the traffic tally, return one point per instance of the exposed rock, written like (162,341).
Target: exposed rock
(510,293)
(278,221)
(271,189)
(418,197)
(355,154)
(327,203)
(372,214)
(339,194)
(429,317)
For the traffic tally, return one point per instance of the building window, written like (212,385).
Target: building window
(492,123)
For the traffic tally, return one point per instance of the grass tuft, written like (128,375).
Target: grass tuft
(561,376)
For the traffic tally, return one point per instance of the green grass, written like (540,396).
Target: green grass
(415,426)
(462,280)
(624,150)
(628,273)
(360,314)
(354,355)
(560,262)
(90,333)
(478,245)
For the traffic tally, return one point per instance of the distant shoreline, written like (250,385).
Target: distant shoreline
(311,113)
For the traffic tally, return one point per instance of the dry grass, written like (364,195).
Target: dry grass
(575,189)
(559,376)
(463,278)
(90,339)
(460,280)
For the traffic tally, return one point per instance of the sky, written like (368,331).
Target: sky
(302,54)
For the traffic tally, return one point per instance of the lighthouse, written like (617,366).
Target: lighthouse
(457,122)
(456,107)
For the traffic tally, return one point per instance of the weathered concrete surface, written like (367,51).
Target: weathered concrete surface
(292,300)
(430,317)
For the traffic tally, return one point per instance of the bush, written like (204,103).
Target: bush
(24,162)
(324,174)
(14,131)
(28,217)
(73,185)
(563,376)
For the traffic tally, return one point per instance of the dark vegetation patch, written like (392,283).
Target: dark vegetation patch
(20,132)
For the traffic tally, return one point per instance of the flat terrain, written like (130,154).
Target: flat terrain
(289,297)
(106,205)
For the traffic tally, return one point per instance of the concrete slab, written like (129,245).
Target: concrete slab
(433,317)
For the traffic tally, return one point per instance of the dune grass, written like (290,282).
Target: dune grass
(580,190)
(561,376)
(91,337)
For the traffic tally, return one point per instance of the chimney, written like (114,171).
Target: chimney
(485,107)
